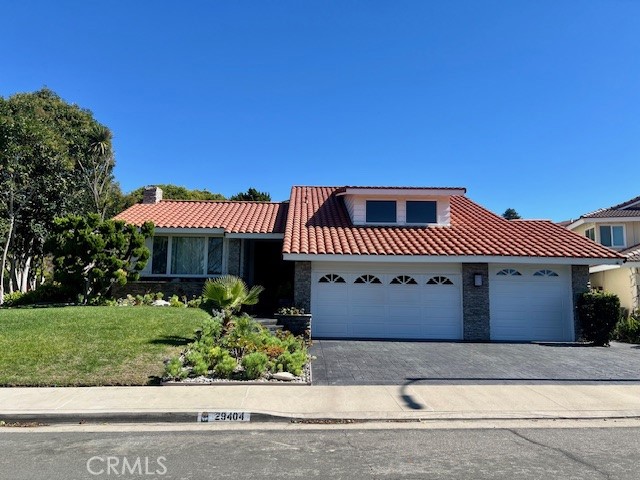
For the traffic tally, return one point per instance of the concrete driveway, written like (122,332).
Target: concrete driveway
(359,362)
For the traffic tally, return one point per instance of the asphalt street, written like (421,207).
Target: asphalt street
(522,453)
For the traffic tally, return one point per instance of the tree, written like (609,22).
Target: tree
(171,192)
(252,195)
(91,254)
(229,293)
(48,149)
(511,214)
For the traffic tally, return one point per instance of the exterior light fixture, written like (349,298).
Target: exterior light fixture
(477,280)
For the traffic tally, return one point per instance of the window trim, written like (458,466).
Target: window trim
(168,274)
(591,237)
(406,212)
(366,216)
(610,226)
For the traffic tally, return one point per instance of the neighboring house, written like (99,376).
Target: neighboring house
(380,262)
(618,228)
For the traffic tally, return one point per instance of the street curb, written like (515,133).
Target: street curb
(52,418)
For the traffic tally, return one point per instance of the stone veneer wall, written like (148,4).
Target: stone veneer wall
(475,303)
(302,286)
(579,284)
(233,260)
(635,288)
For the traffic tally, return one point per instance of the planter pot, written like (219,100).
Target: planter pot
(296,324)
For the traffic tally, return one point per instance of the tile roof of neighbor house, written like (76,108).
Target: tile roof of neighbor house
(318,223)
(624,209)
(233,217)
(632,253)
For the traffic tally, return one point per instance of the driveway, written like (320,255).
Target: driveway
(358,362)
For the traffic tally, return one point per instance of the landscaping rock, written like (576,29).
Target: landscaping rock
(284,376)
(160,303)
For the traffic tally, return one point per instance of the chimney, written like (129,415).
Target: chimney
(152,194)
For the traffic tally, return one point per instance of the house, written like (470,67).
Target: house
(380,262)
(618,228)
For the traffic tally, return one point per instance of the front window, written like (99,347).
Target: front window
(381,211)
(186,255)
(612,236)
(590,233)
(421,212)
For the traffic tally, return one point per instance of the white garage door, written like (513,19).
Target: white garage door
(386,301)
(530,303)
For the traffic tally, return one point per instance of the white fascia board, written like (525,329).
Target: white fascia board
(301,257)
(189,231)
(575,224)
(257,236)
(603,268)
(610,220)
(404,192)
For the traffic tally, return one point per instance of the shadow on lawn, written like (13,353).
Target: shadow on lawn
(173,340)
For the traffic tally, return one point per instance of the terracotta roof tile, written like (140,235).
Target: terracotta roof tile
(233,217)
(624,209)
(632,253)
(318,223)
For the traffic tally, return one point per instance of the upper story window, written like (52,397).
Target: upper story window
(421,212)
(612,235)
(381,211)
(590,233)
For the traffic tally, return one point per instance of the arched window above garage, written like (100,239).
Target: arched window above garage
(331,278)
(368,279)
(509,272)
(404,280)
(439,280)
(545,273)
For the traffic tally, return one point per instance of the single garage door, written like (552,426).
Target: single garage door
(359,301)
(530,303)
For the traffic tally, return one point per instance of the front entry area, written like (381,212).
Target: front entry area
(386,301)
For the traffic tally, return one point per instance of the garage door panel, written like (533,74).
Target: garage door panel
(529,307)
(402,305)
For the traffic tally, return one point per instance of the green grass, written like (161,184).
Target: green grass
(82,346)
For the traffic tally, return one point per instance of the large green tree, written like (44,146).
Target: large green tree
(252,195)
(91,254)
(52,155)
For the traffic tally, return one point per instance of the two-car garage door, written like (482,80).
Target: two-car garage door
(527,302)
(365,301)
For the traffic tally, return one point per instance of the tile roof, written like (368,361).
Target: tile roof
(624,209)
(318,223)
(233,217)
(632,253)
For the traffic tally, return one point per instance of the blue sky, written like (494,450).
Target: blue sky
(533,105)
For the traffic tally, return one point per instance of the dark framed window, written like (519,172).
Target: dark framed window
(421,212)
(214,260)
(159,259)
(381,211)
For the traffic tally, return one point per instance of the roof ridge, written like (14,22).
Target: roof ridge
(220,201)
(621,206)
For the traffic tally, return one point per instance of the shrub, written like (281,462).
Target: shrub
(598,312)
(175,301)
(290,311)
(10,299)
(628,328)
(255,364)
(291,362)
(226,365)
(45,293)
(174,369)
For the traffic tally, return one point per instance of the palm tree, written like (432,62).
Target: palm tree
(229,293)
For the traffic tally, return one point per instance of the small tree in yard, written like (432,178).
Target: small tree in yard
(91,254)
(229,293)
(598,312)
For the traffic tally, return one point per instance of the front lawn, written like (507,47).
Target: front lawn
(81,346)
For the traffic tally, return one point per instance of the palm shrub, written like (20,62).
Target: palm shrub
(229,293)
(628,328)
(599,313)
